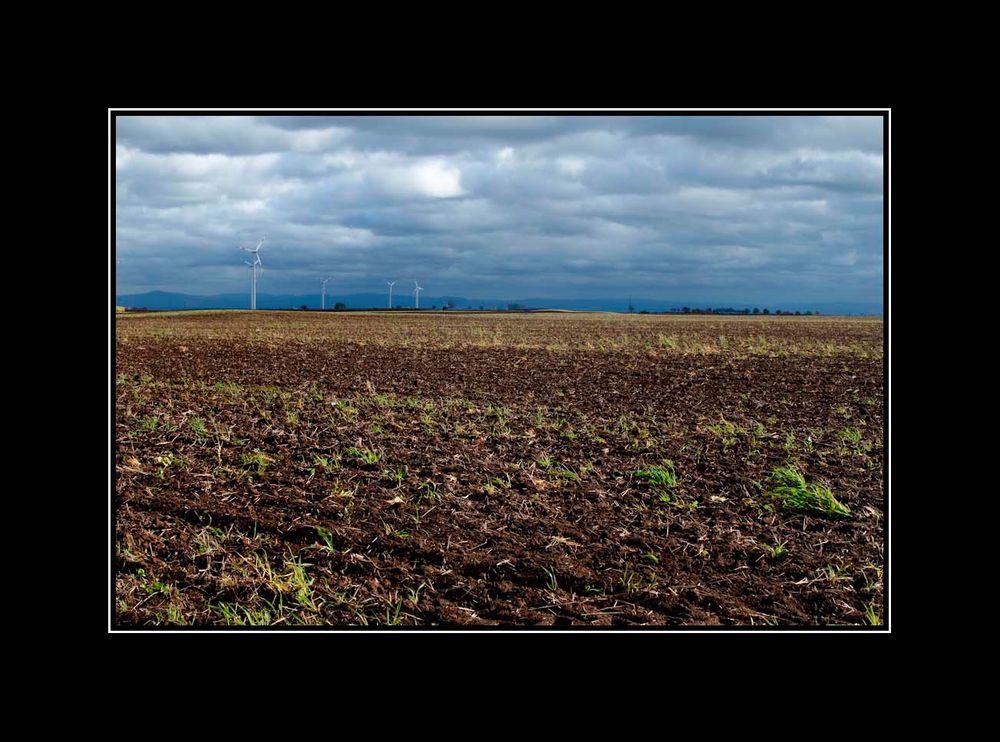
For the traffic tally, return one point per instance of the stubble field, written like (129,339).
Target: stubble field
(338,469)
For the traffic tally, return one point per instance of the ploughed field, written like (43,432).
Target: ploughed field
(481,469)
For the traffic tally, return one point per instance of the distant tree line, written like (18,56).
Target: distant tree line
(338,307)
(746,310)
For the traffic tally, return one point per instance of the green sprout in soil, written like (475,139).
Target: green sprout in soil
(871,617)
(677,503)
(365,456)
(776,550)
(197,426)
(726,432)
(166,461)
(326,463)
(629,580)
(396,475)
(392,613)
(852,437)
(327,537)
(492,485)
(798,496)
(429,491)
(552,584)
(565,472)
(256,459)
(414,595)
(663,476)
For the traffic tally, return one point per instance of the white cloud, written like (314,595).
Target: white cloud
(438,179)
(571,165)
(428,178)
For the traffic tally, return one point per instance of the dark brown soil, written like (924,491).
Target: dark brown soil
(504,489)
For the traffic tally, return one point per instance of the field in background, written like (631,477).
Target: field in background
(444,469)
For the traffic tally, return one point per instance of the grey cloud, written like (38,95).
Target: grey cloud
(751,208)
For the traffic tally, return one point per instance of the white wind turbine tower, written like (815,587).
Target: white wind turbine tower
(256,268)
(322,304)
(417,288)
(391,284)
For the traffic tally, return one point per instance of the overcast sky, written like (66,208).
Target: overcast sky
(728,208)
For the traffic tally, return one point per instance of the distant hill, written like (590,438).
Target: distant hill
(166,300)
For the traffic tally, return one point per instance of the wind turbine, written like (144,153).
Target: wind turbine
(391,284)
(417,288)
(253,281)
(256,268)
(322,304)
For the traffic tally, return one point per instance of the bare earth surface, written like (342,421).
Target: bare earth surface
(466,469)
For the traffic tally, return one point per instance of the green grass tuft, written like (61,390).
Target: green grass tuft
(660,475)
(776,550)
(365,456)
(795,494)
(255,459)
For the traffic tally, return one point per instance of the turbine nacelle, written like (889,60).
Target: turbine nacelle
(255,251)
